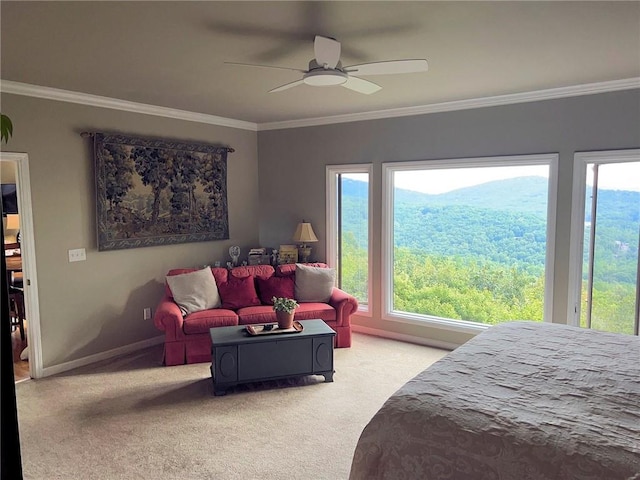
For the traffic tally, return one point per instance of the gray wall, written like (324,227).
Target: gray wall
(94,306)
(292,167)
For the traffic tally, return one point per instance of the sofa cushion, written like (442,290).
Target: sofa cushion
(289,269)
(219,273)
(275,287)
(314,284)
(238,292)
(305,311)
(257,314)
(253,270)
(312,310)
(194,291)
(201,322)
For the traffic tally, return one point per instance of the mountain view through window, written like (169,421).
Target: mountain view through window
(476,253)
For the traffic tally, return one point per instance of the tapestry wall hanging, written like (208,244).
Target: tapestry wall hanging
(158,192)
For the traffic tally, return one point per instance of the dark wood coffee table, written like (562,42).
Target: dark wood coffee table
(238,357)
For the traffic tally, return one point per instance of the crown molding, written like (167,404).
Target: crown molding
(49,93)
(535,96)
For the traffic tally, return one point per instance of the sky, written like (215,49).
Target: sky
(445,180)
(620,176)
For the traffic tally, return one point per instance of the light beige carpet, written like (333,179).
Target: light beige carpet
(131,418)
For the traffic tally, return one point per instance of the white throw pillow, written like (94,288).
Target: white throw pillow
(194,291)
(314,284)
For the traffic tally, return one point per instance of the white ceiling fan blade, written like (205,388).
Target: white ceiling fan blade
(361,85)
(265,66)
(287,86)
(327,51)
(389,67)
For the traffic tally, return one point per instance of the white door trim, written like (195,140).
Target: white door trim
(28,250)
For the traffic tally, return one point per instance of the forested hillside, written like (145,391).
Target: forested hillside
(532,196)
(478,253)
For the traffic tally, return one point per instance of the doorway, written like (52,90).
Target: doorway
(14,169)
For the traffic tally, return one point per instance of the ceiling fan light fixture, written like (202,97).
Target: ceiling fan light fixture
(325,78)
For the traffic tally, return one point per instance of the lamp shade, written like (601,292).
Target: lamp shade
(13,222)
(304,233)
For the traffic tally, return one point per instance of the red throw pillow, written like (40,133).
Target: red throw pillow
(238,292)
(275,287)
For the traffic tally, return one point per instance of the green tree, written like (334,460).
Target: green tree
(118,175)
(213,174)
(465,289)
(354,268)
(152,164)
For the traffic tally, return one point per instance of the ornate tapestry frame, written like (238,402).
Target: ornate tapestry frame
(158,192)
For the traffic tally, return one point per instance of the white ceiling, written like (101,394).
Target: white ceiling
(172,54)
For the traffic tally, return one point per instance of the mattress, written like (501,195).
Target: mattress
(520,401)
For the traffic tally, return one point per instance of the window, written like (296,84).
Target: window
(605,241)
(349,229)
(467,242)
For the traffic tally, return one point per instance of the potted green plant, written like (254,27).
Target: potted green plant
(6,128)
(285,309)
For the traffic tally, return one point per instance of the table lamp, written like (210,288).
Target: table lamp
(13,224)
(304,234)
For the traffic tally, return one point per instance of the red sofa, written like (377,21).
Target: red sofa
(187,339)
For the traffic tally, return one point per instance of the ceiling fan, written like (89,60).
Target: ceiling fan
(326,70)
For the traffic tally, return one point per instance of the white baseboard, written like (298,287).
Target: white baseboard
(404,338)
(133,347)
(81,362)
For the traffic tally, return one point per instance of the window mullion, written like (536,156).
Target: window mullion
(339,228)
(592,245)
(636,325)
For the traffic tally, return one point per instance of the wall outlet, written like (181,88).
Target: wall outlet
(77,255)
(146,313)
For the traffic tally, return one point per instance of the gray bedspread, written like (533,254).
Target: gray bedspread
(520,401)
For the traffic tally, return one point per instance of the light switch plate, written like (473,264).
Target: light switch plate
(77,255)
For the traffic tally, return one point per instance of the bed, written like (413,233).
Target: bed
(520,401)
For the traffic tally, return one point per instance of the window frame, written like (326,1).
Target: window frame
(332,172)
(579,191)
(388,170)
